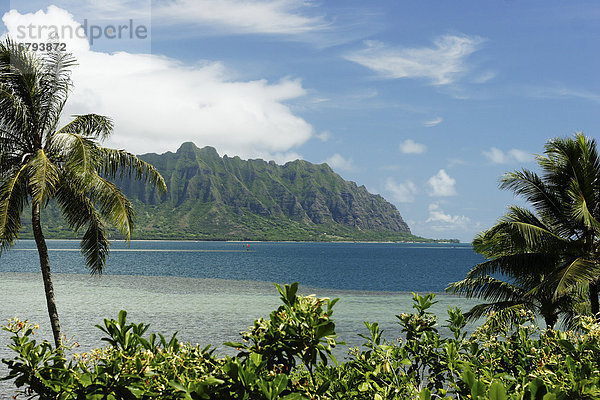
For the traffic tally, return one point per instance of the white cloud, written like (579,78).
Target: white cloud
(271,17)
(440,221)
(520,155)
(287,17)
(559,91)
(158,102)
(36,27)
(484,77)
(497,156)
(442,65)
(409,146)
(452,162)
(441,184)
(338,162)
(433,122)
(323,136)
(401,192)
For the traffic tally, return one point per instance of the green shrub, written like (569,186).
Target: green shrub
(286,357)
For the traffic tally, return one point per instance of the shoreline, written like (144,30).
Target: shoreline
(259,241)
(305,289)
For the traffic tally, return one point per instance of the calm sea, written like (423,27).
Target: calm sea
(210,291)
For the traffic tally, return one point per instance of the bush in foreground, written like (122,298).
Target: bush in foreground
(287,357)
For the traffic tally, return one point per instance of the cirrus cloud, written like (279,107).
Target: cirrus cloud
(433,122)
(442,64)
(240,16)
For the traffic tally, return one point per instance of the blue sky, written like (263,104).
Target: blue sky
(424,102)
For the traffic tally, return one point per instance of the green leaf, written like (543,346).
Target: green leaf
(497,391)
(279,384)
(535,386)
(256,359)
(468,377)
(478,389)
(567,345)
(425,394)
(178,386)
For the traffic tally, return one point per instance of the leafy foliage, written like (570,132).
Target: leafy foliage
(499,361)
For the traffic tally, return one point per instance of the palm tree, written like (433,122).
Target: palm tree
(40,162)
(512,280)
(549,256)
(571,169)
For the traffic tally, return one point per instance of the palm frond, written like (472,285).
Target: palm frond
(119,163)
(526,264)
(528,236)
(13,197)
(580,270)
(78,153)
(112,204)
(54,85)
(90,125)
(79,212)
(518,231)
(529,185)
(43,177)
(21,71)
(579,205)
(95,245)
(14,110)
(506,312)
(488,288)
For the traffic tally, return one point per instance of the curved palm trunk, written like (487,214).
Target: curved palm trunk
(40,241)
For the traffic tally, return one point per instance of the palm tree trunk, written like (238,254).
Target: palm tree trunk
(40,241)
(593,293)
(551,320)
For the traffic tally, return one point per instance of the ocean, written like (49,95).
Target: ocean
(208,292)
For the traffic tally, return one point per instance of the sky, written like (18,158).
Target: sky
(426,103)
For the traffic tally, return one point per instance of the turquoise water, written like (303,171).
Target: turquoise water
(208,292)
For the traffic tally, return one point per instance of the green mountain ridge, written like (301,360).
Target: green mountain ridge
(226,198)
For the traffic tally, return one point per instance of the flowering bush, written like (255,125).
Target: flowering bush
(286,357)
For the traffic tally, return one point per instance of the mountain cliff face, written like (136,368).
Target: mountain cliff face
(229,198)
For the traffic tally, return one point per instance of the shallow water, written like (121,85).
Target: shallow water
(204,311)
(212,310)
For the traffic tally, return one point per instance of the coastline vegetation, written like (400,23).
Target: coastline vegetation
(155,227)
(152,225)
(289,356)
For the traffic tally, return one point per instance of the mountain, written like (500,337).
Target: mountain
(226,198)
(215,197)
